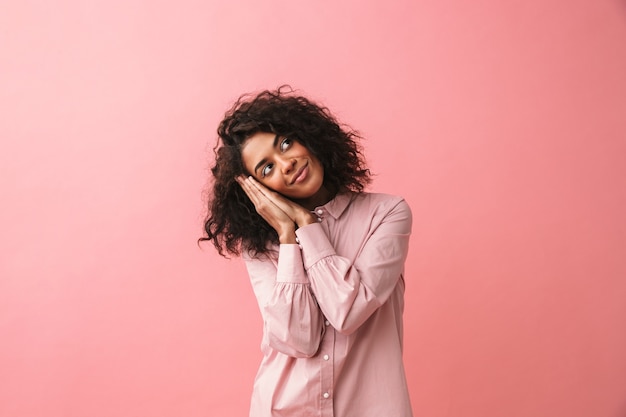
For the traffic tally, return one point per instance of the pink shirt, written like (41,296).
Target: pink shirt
(332,312)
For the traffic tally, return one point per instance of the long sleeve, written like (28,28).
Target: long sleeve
(292,320)
(340,298)
(349,291)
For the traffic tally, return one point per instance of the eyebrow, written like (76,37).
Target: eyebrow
(263,161)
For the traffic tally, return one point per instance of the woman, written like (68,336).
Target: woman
(326,259)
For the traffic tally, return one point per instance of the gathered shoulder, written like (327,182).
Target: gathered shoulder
(382,200)
(381,206)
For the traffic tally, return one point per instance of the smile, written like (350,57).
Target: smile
(300,175)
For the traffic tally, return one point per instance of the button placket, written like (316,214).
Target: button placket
(319,213)
(327,372)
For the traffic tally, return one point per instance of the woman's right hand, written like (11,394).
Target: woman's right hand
(274,215)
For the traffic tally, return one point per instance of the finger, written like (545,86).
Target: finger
(286,205)
(251,180)
(266,208)
(272,195)
(254,183)
(264,205)
(250,191)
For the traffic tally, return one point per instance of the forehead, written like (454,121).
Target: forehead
(257,147)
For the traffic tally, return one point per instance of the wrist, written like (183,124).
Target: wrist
(288,238)
(287,235)
(306,218)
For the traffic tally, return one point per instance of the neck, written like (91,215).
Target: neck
(320,198)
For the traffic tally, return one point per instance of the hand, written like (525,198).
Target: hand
(268,209)
(295,211)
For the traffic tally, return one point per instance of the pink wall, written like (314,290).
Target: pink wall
(503,124)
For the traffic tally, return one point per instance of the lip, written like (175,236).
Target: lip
(301,174)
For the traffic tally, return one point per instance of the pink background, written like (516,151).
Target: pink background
(502,123)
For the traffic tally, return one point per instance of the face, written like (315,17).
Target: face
(284,165)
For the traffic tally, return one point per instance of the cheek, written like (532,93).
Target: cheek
(271,183)
(320,169)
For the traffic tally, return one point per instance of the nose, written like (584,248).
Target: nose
(286,164)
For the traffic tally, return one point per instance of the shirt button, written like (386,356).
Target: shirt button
(326,357)
(320,211)
(326,322)
(326,395)
(297,240)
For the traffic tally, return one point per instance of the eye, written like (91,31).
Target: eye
(285,144)
(266,170)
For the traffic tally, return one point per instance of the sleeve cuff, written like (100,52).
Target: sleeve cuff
(290,268)
(315,244)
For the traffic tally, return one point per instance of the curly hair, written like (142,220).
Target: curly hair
(232,223)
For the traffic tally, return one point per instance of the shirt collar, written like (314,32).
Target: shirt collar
(338,205)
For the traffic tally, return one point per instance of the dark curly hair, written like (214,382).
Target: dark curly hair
(232,223)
